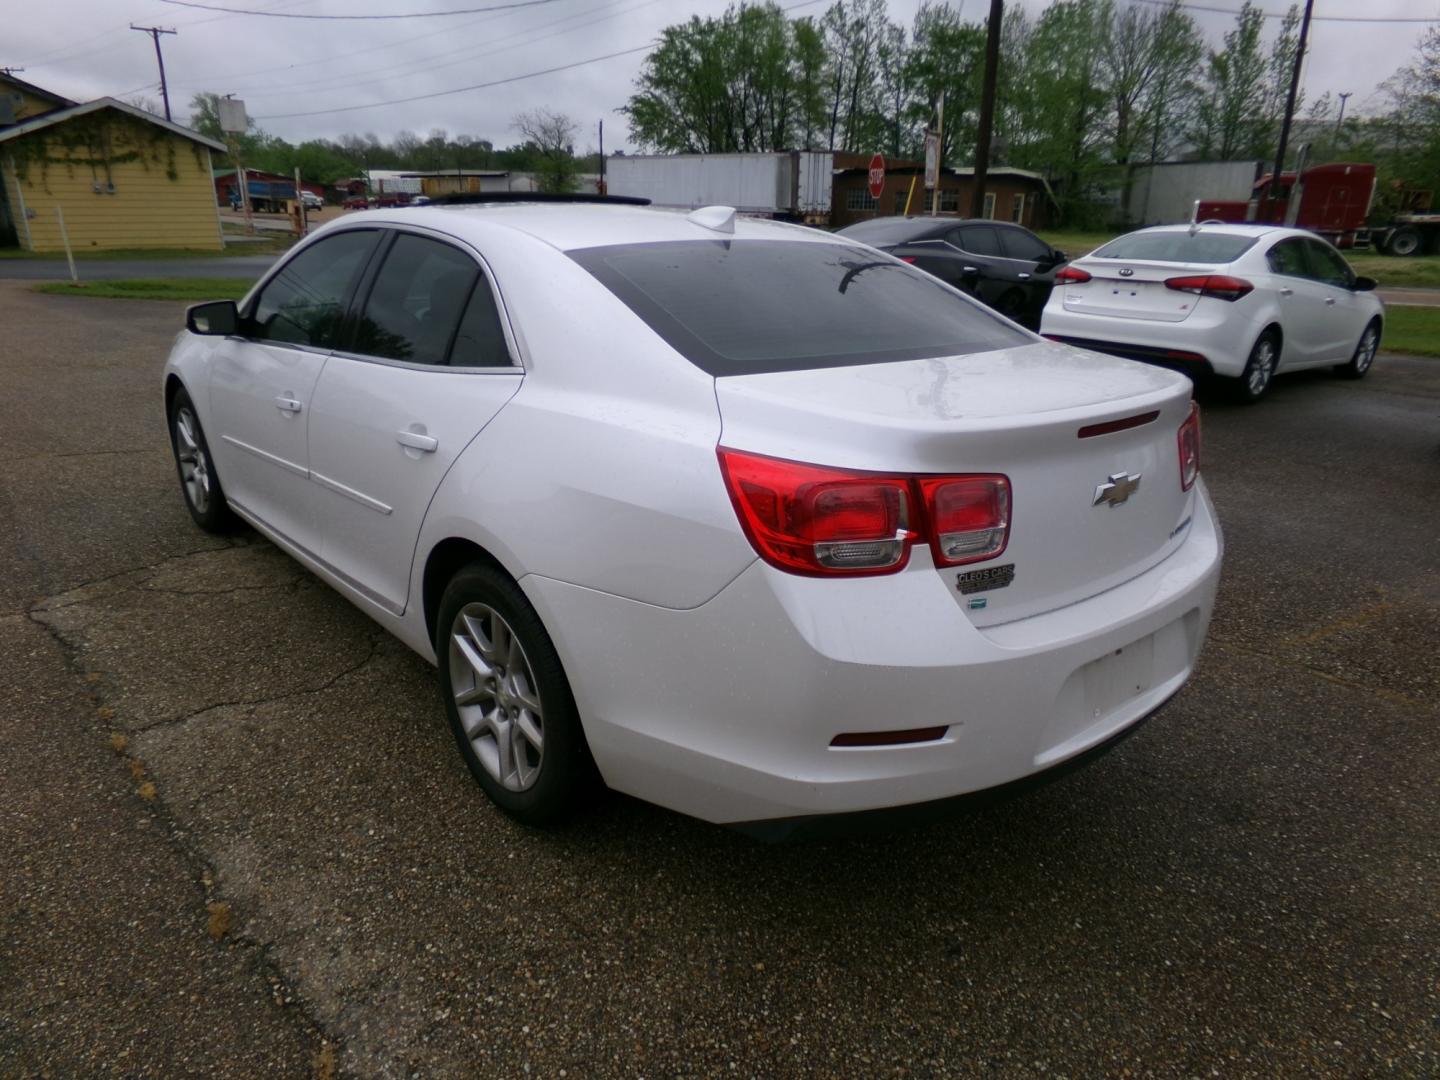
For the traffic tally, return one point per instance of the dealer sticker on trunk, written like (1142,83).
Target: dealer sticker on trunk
(991,577)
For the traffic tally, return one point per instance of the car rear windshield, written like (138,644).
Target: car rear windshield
(743,307)
(1178,247)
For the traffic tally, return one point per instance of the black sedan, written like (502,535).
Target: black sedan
(1006,266)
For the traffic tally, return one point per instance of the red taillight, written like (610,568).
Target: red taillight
(810,519)
(1220,286)
(907,258)
(968,517)
(1071,275)
(1188,439)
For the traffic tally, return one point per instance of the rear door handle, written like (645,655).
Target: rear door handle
(287,404)
(1023,276)
(426,444)
(1329,299)
(1287,292)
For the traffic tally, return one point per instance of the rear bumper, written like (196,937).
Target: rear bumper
(1215,339)
(726,711)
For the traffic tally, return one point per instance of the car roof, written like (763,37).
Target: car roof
(1226,229)
(573,226)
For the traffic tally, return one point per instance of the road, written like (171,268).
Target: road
(236,266)
(1246,888)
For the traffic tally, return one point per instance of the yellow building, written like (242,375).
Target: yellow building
(121,177)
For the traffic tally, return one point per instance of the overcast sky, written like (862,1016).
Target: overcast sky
(85,49)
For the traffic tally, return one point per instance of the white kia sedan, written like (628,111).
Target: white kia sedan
(738,517)
(1242,301)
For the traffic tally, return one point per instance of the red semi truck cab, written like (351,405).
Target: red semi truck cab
(1334,201)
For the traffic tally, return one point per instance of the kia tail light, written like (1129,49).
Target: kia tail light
(1071,275)
(1220,286)
(819,521)
(1189,442)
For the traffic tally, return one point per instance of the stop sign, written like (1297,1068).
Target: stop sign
(877,175)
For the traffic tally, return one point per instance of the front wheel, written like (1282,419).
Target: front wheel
(509,703)
(199,482)
(1364,354)
(1259,371)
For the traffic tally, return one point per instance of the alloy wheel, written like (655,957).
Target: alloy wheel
(496,696)
(1365,353)
(194,464)
(1262,367)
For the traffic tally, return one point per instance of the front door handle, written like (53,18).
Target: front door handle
(1023,276)
(287,404)
(1329,299)
(426,444)
(1287,292)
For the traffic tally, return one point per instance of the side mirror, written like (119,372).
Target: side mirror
(1059,257)
(1363,284)
(218,318)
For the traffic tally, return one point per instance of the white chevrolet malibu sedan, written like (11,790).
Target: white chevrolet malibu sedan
(1241,301)
(738,517)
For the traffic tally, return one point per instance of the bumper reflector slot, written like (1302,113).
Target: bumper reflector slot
(890,738)
(1089,431)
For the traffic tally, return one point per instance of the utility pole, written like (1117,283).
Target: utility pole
(1289,107)
(987,108)
(939,156)
(600,187)
(155,32)
(1341,118)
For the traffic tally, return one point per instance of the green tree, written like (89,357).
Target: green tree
(552,135)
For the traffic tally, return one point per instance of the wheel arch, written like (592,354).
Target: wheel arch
(447,558)
(173,385)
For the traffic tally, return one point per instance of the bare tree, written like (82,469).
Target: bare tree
(552,135)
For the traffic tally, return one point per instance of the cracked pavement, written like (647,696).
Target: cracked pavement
(1245,888)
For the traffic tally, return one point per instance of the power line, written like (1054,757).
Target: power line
(405,15)
(495,82)
(460,89)
(1184,5)
(465,54)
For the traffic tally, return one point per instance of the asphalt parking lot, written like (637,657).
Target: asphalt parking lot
(239,840)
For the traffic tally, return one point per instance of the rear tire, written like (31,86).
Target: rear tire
(1404,241)
(1365,351)
(510,706)
(1259,372)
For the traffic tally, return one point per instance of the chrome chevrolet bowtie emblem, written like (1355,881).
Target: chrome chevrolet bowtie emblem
(1117,489)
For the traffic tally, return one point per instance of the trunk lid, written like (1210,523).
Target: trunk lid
(1133,289)
(1015,411)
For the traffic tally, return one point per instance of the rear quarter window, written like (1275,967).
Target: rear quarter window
(1180,247)
(741,307)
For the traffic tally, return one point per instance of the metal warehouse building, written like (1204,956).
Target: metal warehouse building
(119,176)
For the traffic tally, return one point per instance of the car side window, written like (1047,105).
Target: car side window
(980,240)
(304,303)
(1327,264)
(1288,258)
(415,304)
(1023,245)
(480,341)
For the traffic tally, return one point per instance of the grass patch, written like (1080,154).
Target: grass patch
(1076,244)
(1414,330)
(193,289)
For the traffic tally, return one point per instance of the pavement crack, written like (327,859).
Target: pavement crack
(375,647)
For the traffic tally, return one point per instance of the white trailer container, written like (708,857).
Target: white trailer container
(790,184)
